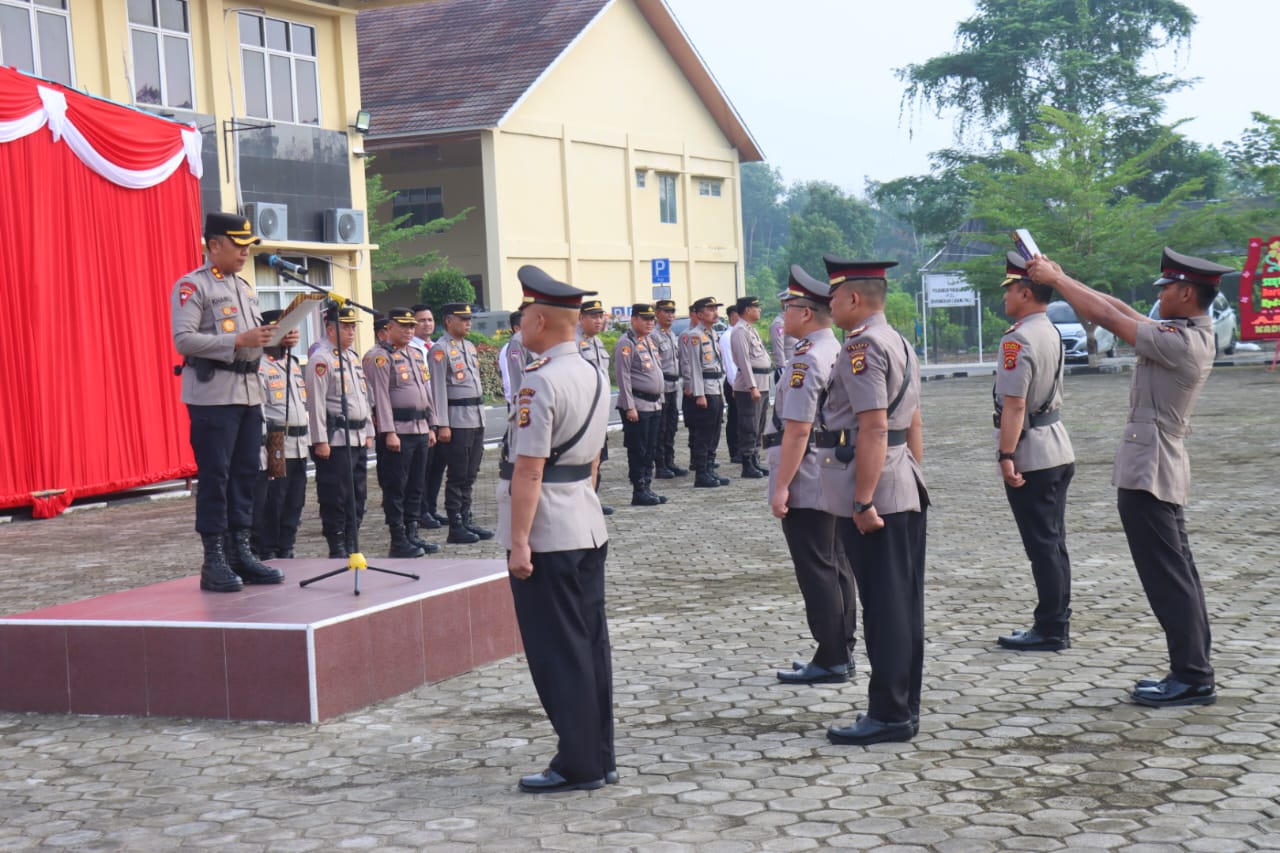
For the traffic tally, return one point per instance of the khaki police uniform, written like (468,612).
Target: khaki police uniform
(399,387)
(781,346)
(822,571)
(668,347)
(459,398)
(640,387)
(702,375)
(754,371)
(341,479)
(512,359)
(873,367)
(278,502)
(1031,366)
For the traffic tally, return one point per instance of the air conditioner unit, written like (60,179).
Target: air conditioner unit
(270,221)
(343,225)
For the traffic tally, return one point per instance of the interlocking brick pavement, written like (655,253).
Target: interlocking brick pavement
(1015,752)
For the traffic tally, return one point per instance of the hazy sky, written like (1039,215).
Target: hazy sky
(814,81)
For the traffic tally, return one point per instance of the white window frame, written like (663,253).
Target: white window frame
(161,33)
(668,196)
(33,32)
(294,58)
(709,187)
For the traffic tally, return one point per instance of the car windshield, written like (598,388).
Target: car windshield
(1061,312)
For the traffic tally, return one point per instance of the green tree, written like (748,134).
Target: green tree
(445,284)
(764,217)
(1255,156)
(826,219)
(1081,56)
(388,263)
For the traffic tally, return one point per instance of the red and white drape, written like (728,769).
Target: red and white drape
(99,215)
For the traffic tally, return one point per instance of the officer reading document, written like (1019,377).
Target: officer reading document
(550,521)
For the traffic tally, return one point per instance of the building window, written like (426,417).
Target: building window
(640,173)
(36,37)
(160,37)
(709,187)
(279,64)
(667,198)
(421,205)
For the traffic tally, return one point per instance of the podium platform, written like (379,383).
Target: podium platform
(280,652)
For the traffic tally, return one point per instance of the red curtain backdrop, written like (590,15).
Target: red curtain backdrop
(86,267)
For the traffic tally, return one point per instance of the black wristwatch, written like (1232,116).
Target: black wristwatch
(859,508)
(1001,456)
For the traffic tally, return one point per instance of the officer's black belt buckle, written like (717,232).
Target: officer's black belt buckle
(646,396)
(407,414)
(466,401)
(551,473)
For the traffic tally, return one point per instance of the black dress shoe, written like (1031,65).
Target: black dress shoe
(611,777)
(799,664)
(869,730)
(606,509)
(1034,641)
(814,674)
(1171,693)
(1151,682)
(639,497)
(549,781)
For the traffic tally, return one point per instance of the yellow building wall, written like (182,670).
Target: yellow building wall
(565,173)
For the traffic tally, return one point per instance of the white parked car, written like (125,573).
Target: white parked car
(1074,343)
(1224,323)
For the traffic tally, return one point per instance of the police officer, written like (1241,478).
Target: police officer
(278,501)
(725,348)
(781,345)
(702,378)
(640,383)
(400,389)
(218,330)
(1152,469)
(1034,453)
(591,322)
(668,345)
(795,492)
(550,521)
(422,342)
(341,430)
(512,357)
(872,414)
(750,385)
(459,413)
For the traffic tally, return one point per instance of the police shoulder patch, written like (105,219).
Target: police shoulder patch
(626,350)
(321,368)
(797,378)
(536,363)
(438,355)
(524,417)
(803,346)
(1010,350)
(380,360)
(185,291)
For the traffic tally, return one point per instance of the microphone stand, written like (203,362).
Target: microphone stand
(356,561)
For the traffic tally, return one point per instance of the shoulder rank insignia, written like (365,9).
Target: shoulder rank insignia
(1170,327)
(1010,329)
(803,346)
(535,364)
(856,332)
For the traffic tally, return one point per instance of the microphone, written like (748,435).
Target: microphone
(279,263)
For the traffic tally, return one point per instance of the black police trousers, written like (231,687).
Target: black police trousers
(1157,534)
(826,583)
(341,488)
(277,508)
(1040,507)
(751,415)
(402,475)
(731,420)
(666,456)
(888,566)
(435,479)
(227,443)
(561,613)
(704,430)
(641,440)
(462,455)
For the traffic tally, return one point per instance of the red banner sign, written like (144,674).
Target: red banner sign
(1260,291)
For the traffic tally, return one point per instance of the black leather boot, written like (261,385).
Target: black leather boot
(337,545)
(755,463)
(647,485)
(640,496)
(401,547)
(458,532)
(469,523)
(705,479)
(241,560)
(215,574)
(429,522)
(749,471)
(674,468)
(411,533)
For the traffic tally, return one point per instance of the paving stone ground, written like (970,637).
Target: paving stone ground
(1015,752)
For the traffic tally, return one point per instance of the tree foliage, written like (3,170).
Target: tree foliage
(1255,157)
(389,265)
(446,283)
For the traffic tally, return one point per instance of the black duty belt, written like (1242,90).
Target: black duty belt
(1039,419)
(843,438)
(333,422)
(774,439)
(671,377)
(234,366)
(551,473)
(466,401)
(409,414)
(706,375)
(646,396)
(293,431)
(762,371)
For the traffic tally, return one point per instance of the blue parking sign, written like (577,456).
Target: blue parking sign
(661,270)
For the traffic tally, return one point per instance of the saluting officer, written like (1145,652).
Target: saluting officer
(341,430)
(640,386)
(750,385)
(1034,453)
(668,345)
(459,413)
(591,322)
(795,491)
(400,388)
(702,377)
(549,519)
(1152,469)
(217,328)
(278,500)
(872,414)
